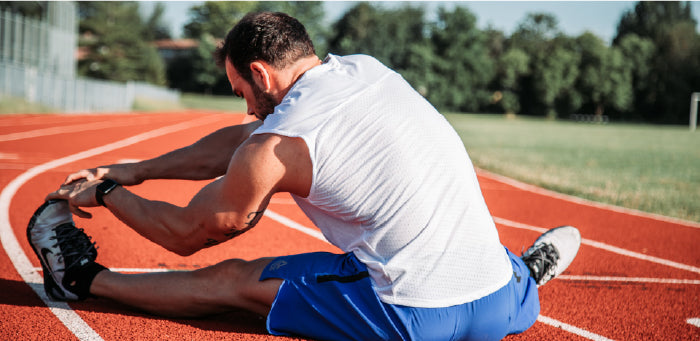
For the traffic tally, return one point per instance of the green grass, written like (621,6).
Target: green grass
(650,168)
(13,105)
(192,101)
(223,103)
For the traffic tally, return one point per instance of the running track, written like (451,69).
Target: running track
(637,276)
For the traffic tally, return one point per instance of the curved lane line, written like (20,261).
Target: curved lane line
(19,259)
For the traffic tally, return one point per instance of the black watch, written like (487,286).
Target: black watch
(103,189)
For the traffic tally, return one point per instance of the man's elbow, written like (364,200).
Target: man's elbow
(183,247)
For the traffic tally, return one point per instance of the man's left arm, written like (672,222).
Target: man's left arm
(225,208)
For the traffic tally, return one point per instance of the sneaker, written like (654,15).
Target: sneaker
(552,253)
(65,252)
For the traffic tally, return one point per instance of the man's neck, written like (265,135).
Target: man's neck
(286,78)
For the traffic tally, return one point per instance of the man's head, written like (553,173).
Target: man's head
(274,38)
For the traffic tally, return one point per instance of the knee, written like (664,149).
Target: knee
(233,283)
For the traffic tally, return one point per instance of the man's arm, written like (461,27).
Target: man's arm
(263,165)
(207,158)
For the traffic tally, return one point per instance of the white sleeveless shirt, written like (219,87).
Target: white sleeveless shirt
(393,184)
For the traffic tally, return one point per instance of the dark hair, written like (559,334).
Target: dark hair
(275,38)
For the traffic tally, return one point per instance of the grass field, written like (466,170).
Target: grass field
(650,168)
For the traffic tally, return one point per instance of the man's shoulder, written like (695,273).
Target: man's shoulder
(283,157)
(279,145)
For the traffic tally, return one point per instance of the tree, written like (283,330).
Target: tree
(512,66)
(309,13)
(554,73)
(216,17)
(154,28)
(388,35)
(461,62)
(674,71)
(553,66)
(637,54)
(211,21)
(653,18)
(604,81)
(113,33)
(354,31)
(534,32)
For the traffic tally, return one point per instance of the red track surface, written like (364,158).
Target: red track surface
(637,277)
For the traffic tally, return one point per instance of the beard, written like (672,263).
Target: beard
(265,103)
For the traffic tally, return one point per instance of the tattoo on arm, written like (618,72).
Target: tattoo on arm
(253,219)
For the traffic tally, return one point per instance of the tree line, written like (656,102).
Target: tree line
(646,74)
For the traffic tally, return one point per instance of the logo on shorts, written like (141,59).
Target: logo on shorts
(277,265)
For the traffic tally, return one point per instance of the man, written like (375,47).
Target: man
(373,165)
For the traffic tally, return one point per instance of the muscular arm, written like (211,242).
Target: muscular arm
(205,159)
(262,166)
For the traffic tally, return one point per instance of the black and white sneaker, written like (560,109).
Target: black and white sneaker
(552,253)
(66,253)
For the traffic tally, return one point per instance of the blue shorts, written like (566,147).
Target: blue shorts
(330,297)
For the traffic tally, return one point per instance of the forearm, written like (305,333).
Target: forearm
(160,222)
(207,158)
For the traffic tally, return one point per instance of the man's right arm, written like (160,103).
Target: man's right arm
(205,159)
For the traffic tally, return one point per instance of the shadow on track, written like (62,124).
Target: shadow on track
(19,293)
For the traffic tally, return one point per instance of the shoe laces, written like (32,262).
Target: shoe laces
(542,262)
(74,245)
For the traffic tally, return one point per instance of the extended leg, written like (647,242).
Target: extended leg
(215,289)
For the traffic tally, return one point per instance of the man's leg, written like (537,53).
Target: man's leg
(219,288)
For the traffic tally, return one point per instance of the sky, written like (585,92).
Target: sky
(574,17)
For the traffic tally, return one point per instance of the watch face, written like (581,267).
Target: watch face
(106,186)
(103,189)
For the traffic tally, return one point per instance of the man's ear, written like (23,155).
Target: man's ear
(261,75)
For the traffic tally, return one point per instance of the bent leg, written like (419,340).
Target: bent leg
(219,288)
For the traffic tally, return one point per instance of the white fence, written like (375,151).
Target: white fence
(75,95)
(37,63)
(48,45)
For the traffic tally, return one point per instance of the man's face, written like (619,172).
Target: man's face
(259,103)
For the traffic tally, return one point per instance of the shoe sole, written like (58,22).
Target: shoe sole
(50,286)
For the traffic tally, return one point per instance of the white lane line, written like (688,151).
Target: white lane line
(585,202)
(19,259)
(605,247)
(571,329)
(65,129)
(694,321)
(629,279)
(9,156)
(294,225)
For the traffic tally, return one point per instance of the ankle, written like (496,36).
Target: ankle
(80,280)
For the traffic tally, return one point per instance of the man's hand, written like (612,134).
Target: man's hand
(125,174)
(80,193)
